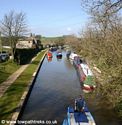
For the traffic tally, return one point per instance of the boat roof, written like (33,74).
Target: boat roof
(76,118)
(86,69)
(72,55)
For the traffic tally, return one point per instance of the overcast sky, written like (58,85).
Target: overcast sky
(49,17)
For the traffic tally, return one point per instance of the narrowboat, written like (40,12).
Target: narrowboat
(49,54)
(68,52)
(72,55)
(75,117)
(86,77)
(59,55)
(89,83)
(77,61)
(86,69)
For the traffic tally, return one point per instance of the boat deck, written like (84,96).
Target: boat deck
(73,121)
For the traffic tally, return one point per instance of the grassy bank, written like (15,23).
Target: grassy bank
(10,100)
(6,69)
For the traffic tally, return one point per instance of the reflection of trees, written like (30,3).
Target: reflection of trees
(49,59)
(68,64)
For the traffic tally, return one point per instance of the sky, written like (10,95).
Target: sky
(49,17)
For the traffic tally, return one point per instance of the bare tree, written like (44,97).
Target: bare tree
(103,12)
(102,43)
(112,5)
(73,41)
(13,26)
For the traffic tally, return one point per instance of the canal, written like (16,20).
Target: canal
(55,88)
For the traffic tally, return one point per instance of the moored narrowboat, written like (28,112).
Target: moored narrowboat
(68,52)
(49,54)
(89,83)
(86,77)
(59,55)
(72,55)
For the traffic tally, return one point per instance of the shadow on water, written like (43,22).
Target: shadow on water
(55,88)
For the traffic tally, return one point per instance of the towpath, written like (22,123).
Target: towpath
(6,84)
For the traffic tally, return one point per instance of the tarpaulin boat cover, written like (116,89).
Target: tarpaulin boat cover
(80,117)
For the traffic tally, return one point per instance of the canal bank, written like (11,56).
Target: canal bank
(9,101)
(102,102)
(28,90)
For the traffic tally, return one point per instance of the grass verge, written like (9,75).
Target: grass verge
(6,69)
(11,98)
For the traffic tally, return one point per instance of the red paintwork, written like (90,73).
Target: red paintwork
(87,89)
(90,88)
(49,55)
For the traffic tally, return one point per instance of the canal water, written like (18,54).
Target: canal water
(55,88)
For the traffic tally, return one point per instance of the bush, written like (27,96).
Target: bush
(23,56)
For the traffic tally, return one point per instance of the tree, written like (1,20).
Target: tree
(102,46)
(73,41)
(103,12)
(13,26)
(112,5)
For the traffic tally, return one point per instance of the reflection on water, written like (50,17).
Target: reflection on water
(56,87)
(49,59)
